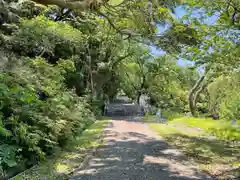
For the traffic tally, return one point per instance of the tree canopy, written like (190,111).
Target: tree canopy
(61,60)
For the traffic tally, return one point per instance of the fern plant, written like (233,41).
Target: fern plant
(8,155)
(3,131)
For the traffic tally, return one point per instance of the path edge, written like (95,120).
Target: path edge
(89,153)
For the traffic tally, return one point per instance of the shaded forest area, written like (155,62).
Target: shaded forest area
(61,60)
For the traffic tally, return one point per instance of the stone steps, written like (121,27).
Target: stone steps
(122,109)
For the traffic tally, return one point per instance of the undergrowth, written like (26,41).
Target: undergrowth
(63,163)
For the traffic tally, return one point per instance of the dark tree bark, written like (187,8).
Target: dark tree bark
(191,97)
(198,92)
(139,93)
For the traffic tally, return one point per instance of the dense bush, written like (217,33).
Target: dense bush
(43,37)
(225,97)
(230,108)
(47,84)
(37,113)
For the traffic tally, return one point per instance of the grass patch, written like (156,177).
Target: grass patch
(170,129)
(170,115)
(64,162)
(166,114)
(222,129)
(149,118)
(218,154)
(204,123)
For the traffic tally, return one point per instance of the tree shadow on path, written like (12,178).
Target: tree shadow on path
(219,156)
(132,155)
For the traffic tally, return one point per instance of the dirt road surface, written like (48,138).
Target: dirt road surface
(132,151)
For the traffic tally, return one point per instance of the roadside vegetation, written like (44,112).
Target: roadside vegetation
(63,163)
(60,61)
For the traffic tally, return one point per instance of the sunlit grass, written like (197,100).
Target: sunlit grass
(166,114)
(115,2)
(204,123)
(163,129)
(149,118)
(62,168)
(64,162)
(212,144)
(222,129)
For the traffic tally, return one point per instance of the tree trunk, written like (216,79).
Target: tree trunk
(138,97)
(139,92)
(192,106)
(192,97)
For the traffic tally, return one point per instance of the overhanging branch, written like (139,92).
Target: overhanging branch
(122,32)
(120,59)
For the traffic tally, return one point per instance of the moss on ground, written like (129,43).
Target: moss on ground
(63,163)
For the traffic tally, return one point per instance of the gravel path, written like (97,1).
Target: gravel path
(132,151)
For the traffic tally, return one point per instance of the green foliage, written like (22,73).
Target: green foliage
(39,113)
(3,131)
(230,108)
(59,65)
(41,36)
(224,8)
(61,165)
(168,83)
(170,115)
(8,155)
(230,104)
(224,96)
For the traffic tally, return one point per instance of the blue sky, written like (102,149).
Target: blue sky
(179,13)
